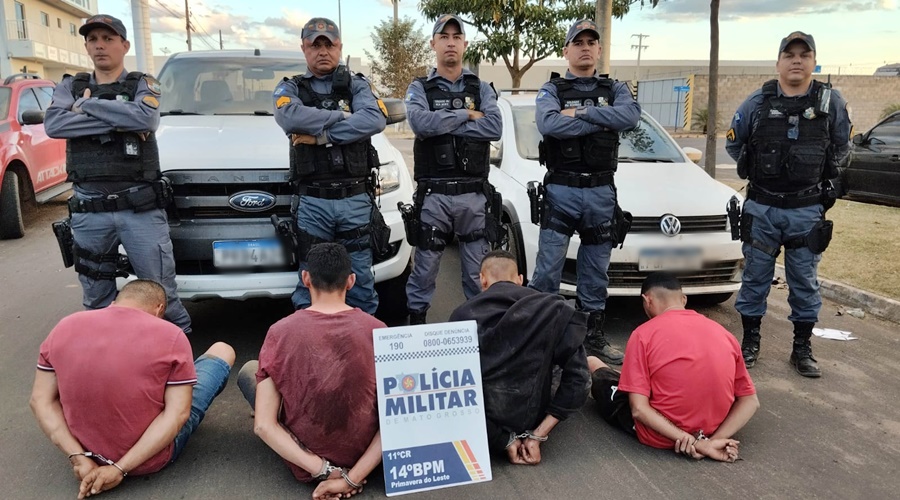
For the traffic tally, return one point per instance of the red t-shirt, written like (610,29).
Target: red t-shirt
(323,365)
(690,367)
(112,366)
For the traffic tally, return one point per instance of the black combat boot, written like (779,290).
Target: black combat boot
(750,342)
(417,317)
(801,355)
(596,344)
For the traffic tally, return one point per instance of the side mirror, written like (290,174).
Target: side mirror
(396,110)
(496,153)
(693,154)
(32,117)
(858,139)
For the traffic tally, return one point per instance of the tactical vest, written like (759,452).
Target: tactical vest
(789,148)
(449,156)
(329,162)
(113,156)
(595,153)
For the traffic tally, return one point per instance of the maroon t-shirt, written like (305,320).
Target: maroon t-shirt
(113,366)
(323,365)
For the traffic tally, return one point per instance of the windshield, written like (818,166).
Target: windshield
(220,85)
(5,92)
(645,143)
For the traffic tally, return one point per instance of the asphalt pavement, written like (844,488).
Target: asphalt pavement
(834,437)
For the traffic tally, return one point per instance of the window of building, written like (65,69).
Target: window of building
(73,30)
(59,23)
(20,21)
(45,19)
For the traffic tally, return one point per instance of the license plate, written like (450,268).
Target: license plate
(670,259)
(247,253)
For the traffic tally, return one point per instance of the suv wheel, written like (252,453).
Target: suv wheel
(12,224)
(392,297)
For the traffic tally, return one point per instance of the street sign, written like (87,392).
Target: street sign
(431,407)
(681,88)
(818,68)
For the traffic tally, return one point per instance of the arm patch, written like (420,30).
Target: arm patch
(150,101)
(281,101)
(153,85)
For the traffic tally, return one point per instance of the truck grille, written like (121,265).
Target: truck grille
(695,224)
(205,194)
(627,275)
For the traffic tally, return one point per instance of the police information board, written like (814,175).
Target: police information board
(431,407)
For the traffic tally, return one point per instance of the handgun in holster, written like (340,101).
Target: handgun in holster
(410,222)
(734,217)
(284,230)
(63,231)
(536,199)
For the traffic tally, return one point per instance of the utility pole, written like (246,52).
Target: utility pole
(187,23)
(640,46)
(221,47)
(395,2)
(340,23)
(603,19)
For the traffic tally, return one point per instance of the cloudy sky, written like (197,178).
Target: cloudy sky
(856,36)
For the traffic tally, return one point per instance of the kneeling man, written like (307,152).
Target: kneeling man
(116,389)
(523,334)
(313,388)
(683,383)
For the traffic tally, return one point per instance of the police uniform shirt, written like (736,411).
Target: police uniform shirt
(452,120)
(624,114)
(745,120)
(294,117)
(102,116)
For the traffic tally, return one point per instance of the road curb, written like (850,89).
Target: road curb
(874,304)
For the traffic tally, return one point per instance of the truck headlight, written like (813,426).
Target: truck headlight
(389,177)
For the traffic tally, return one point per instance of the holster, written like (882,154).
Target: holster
(743,162)
(832,189)
(746,228)
(379,235)
(494,231)
(819,236)
(410,222)
(287,235)
(622,224)
(63,231)
(164,192)
(536,200)
(734,217)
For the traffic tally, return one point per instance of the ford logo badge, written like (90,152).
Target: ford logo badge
(252,201)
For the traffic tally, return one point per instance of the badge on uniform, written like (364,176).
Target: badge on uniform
(279,90)
(730,135)
(440,103)
(572,103)
(809,114)
(457,103)
(344,105)
(588,102)
(122,97)
(153,84)
(541,94)
(601,101)
(151,101)
(470,103)
(282,101)
(774,113)
(409,96)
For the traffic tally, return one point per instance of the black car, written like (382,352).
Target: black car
(874,172)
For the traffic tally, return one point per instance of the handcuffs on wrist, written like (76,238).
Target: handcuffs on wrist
(326,471)
(699,436)
(346,475)
(525,435)
(97,456)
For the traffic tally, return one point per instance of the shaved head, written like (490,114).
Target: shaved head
(499,265)
(145,295)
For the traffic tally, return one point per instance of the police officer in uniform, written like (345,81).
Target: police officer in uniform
(330,115)
(454,116)
(791,140)
(580,117)
(108,118)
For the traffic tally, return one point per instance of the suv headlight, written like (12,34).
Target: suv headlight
(389,177)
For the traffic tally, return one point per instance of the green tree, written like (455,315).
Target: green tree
(521,32)
(403,54)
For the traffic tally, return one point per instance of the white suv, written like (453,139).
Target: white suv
(680,221)
(227,161)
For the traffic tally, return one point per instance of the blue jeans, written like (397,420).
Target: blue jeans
(323,218)
(145,236)
(772,227)
(589,207)
(460,214)
(212,375)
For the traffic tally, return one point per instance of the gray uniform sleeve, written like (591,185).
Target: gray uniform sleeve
(426,123)
(624,114)
(490,126)
(139,115)
(61,122)
(296,118)
(742,125)
(551,122)
(366,120)
(840,130)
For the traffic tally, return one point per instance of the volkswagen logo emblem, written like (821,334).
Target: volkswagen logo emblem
(251,201)
(670,225)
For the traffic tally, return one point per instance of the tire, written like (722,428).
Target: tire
(516,246)
(12,224)
(392,297)
(709,299)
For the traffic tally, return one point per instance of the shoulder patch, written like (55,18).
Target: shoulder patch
(409,96)
(738,117)
(279,89)
(730,135)
(151,101)
(542,94)
(153,84)
(281,101)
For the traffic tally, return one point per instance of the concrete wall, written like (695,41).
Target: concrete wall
(867,95)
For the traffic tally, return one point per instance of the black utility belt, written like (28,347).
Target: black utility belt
(585,180)
(154,195)
(451,188)
(800,199)
(333,192)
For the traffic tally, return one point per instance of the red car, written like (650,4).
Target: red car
(32,165)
